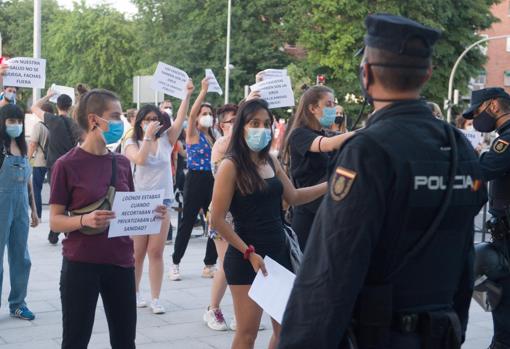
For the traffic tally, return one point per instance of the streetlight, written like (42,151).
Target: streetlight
(227,58)
(37,42)
(454,69)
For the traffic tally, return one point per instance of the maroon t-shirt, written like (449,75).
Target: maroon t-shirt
(78,179)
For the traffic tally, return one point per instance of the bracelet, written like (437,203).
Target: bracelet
(249,251)
(81,220)
(147,139)
(320,140)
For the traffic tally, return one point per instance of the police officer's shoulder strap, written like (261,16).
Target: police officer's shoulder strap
(427,236)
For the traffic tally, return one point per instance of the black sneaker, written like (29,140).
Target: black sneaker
(53,238)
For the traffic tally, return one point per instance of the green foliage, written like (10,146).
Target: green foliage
(332,31)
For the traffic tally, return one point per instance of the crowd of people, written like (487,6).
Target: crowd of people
(257,181)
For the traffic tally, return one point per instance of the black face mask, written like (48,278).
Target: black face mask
(364,89)
(339,120)
(485,122)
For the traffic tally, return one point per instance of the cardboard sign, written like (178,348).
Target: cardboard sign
(170,80)
(25,72)
(475,137)
(214,86)
(276,92)
(135,213)
(61,90)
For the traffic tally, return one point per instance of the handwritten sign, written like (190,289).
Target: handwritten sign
(61,90)
(135,213)
(170,80)
(25,72)
(474,137)
(214,86)
(276,92)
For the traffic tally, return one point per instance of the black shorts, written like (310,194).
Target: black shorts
(239,271)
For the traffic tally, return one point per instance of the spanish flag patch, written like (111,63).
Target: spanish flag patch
(342,183)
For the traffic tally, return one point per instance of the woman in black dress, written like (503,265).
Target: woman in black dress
(250,184)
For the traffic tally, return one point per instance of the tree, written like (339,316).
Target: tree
(192,36)
(332,31)
(96,46)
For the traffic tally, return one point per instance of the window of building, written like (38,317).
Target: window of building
(484,45)
(481,79)
(507,78)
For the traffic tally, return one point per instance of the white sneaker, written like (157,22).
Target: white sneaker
(156,307)
(233,326)
(208,271)
(140,302)
(214,319)
(174,273)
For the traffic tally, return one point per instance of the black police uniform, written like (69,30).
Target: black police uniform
(495,165)
(387,186)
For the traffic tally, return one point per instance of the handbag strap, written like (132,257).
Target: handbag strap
(113,180)
(429,234)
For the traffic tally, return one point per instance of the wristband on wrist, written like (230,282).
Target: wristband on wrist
(320,140)
(81,220)
(147,139)
(249,251)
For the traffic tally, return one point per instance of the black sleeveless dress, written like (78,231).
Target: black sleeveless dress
(258,221)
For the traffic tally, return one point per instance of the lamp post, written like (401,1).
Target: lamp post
(454,70)
(227,58)
(37,42)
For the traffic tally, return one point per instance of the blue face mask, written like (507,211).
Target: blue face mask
(115,131)
(328,117)
(9,96)
(258,138)
(185,124)
(14,131)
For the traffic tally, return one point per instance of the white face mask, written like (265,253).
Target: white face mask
(206,121)
(470,128)
(169,111)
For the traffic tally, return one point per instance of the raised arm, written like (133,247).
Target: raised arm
(191,131)
(176,128)
(36,108)
(323,144)
(294,196)
(3,69)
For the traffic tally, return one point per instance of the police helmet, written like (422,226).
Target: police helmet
(490,261)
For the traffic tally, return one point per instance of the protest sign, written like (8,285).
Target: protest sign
(135,213)
(276,92)
(272,292)
(269,74)
(61,90)
(474,137)
(170,80)
(214,86)
(25,72)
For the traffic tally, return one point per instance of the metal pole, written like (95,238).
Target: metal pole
(138,92)
(37,42)
(454,70)
(227,58)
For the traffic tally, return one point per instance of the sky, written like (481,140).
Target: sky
(125,6)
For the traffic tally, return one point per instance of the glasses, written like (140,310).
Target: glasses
(151,119)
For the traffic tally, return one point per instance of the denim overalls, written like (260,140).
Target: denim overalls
(14,225)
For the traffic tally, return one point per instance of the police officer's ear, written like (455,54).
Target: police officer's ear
(427,76)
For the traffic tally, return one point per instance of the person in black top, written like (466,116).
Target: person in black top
(64,134)
(391,248)
(250,184)
(490,111)
(308,149)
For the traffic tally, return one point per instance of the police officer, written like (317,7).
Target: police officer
(490,111)
(390,255)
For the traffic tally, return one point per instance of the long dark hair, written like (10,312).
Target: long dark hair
(304,117)
(248,178)
(12,111)
(140,116)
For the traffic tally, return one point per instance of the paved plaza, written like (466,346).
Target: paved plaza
(181,327)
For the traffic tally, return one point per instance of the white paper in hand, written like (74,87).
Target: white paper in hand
(170,80)
(25,72)
(214,86)
(276,92)
(272,292)
(61,90)
(135,213)
(474,137)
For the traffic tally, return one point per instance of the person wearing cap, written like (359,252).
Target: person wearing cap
(490,111)
(375,264)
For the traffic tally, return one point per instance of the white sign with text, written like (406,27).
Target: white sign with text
(276,92)
(214,86)
(61,90)
(25,72)
(170,80)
